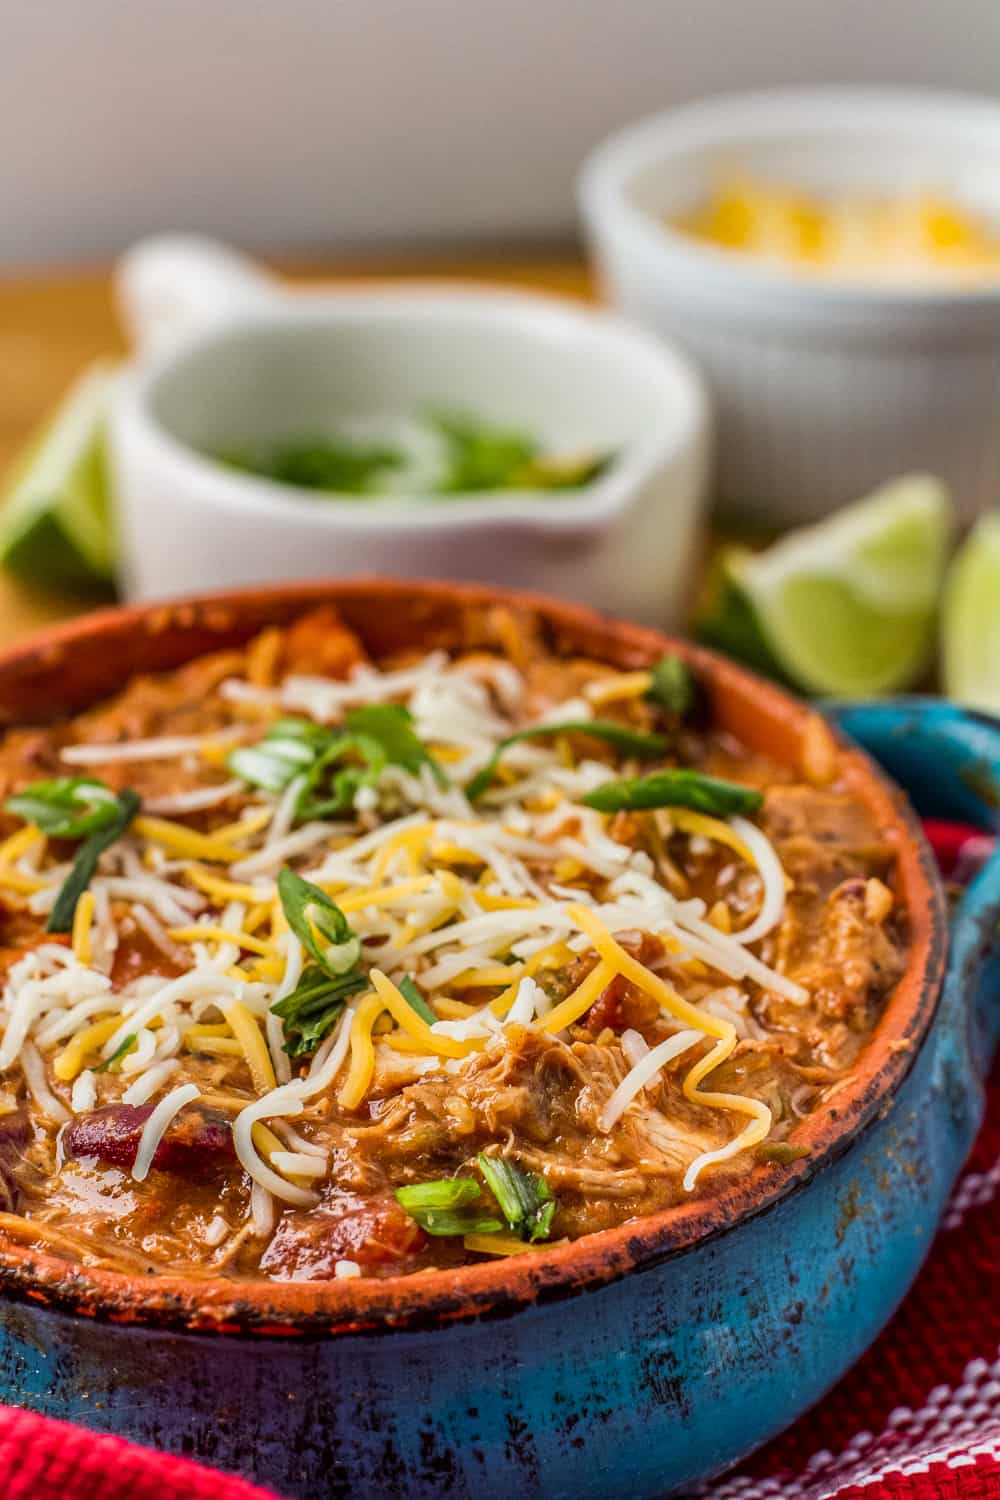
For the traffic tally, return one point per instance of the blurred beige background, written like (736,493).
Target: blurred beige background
(346,124)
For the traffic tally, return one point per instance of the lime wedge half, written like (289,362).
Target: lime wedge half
(846,606)
(970,619)
(55,526)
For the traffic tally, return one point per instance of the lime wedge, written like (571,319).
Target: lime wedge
(846,606)
(970,619)
(55,526)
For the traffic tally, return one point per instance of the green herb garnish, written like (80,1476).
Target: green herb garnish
(391,726)
(476,457)
(117,1055)
(126,805)
(525,1199)
(674,788)
(408,989)
(310,911)
(322,463)
(480,456)
(334,764)
(443,1207)
(673,687)
(628,741)
(70,807)
(313,1008)
(288,749)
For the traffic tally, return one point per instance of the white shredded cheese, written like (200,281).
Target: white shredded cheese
(216,1230)
(773,876)
(148,1083)
(642,1073)
(262,1211)
(179,803)
(83,1095)
(280,1101)
(167,747)
(158,1124)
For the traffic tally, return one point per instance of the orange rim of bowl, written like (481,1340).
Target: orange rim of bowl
(69,666)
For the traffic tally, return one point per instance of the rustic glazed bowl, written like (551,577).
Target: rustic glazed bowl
(644,1357)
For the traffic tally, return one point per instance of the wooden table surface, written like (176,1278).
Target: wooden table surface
(51,325)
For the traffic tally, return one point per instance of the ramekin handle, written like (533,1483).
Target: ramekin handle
(168,285)
(947,759)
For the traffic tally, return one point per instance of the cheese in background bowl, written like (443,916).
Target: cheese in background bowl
(827,382)
(900,239)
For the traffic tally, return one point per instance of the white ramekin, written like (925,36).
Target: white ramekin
(233,358)
(823,389)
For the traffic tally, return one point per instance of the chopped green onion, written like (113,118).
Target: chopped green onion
(117,1055)
(322,462)
(334,763)
(479,455)
(314,1007)
(126,805)
(310,910)
(673,687)
(443,1192)
(328,792)
(446,1221)
(391,725)
(525,1199)
(71,807)
(272,762)
(442,1207)
(675,788)
(628,741)
(411,994)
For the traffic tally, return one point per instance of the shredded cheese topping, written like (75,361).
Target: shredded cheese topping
(494,895)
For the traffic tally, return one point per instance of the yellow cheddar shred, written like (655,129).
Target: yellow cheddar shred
(623,962)
(206,934)
(362,1067)
(452,1010)
(19,843)
(248,1034)
(405,1016)
(215,886)
(70,1061)
(411,841)
(615,689)
(216,1046)
(741,1104)
(582,998)
(186,842)
(557,953)
(245,827)
(485,978)
(710,828)
(16,880)
(83,920)
(373,896)
(489,902)
(499,1244)
(256,916)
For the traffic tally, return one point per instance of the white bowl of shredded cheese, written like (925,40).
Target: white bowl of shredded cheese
(829,378)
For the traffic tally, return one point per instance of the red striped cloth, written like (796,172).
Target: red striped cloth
(917,1419)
